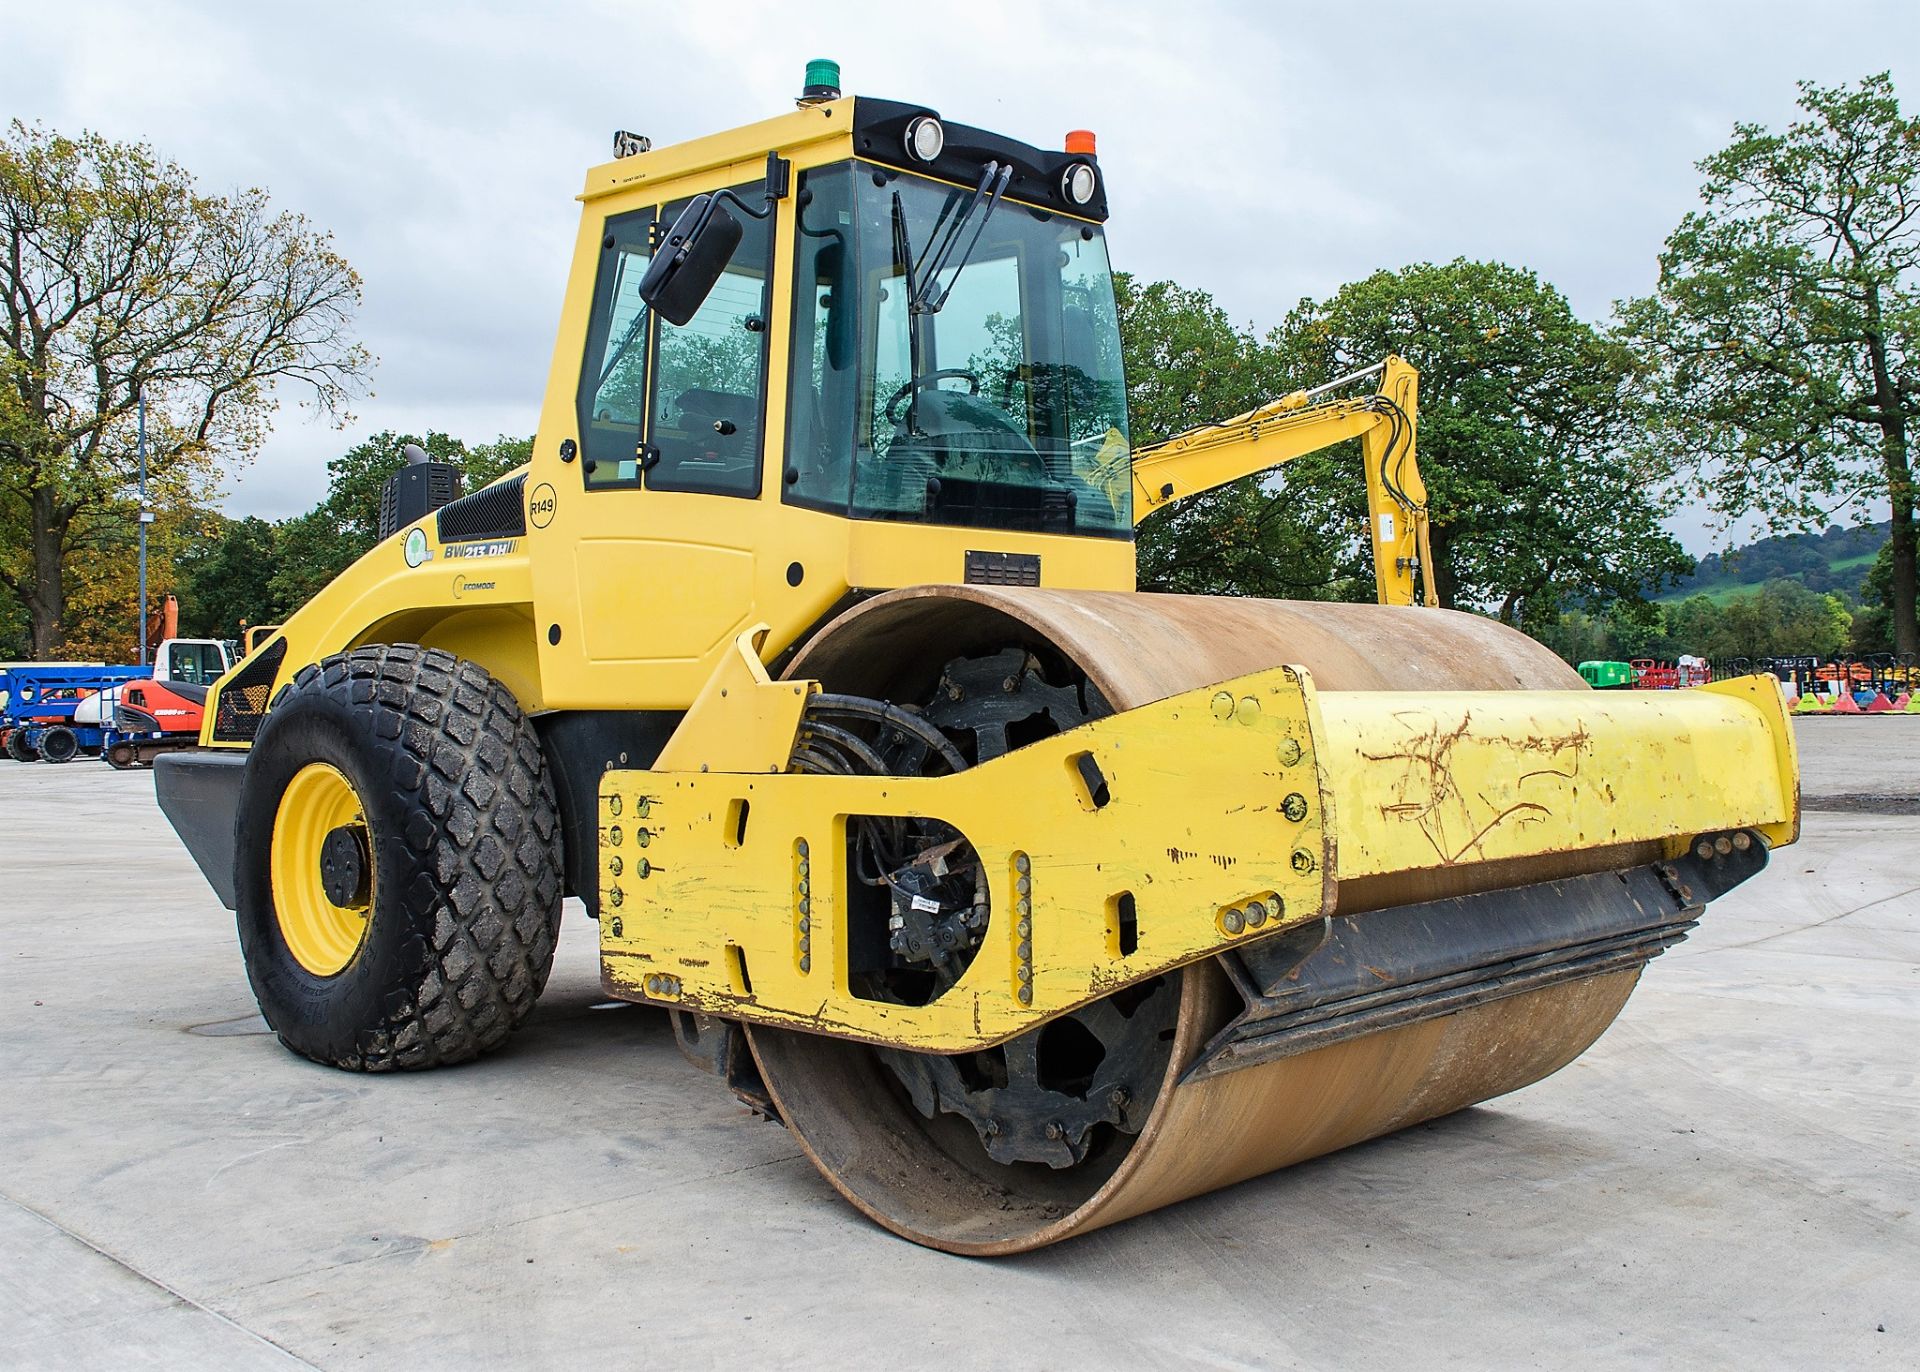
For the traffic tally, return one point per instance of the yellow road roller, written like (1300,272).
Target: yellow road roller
(806,652)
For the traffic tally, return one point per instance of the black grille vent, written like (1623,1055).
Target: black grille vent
(243,700)
(1003,569)
(496,511)
(413,491)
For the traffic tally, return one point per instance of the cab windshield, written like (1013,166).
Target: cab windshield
(1004,407)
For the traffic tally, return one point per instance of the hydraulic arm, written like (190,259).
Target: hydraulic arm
(1293,426)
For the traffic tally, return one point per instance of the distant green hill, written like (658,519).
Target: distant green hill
(1834,561)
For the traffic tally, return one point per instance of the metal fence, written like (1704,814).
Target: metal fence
(1887,672)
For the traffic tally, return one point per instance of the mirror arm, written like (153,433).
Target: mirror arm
(779,177)
(717,196)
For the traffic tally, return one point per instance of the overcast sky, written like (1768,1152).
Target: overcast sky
(1261,152)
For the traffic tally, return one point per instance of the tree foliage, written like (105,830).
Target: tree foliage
(1786,322)
(225,580)
(312,549)
(1779,619)
(248,571)
(118,279)
(1535,501)
(1188,363)
(1873,620)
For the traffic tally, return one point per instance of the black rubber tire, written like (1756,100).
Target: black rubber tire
(18,748)
(59,744)
(465,840)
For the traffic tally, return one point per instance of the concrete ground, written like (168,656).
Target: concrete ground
(1728,1179)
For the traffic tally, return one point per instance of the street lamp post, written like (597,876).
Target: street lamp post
(146,518)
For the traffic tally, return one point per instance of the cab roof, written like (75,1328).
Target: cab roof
(877,129)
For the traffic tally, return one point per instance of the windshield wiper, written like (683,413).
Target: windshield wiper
(903,250)
(903,259)
(627,341)
(935,259)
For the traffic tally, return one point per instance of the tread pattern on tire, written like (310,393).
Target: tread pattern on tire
(483,829)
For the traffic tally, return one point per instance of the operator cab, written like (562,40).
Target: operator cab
(955,349)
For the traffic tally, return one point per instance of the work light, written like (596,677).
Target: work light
(925,138)
(1076,183)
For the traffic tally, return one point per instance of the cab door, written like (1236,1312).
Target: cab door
(672,419)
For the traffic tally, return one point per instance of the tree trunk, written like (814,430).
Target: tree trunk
(1893,456)
(1906,631)
(1444,583)
(46,597)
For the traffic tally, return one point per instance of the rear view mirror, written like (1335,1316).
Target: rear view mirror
(686,266)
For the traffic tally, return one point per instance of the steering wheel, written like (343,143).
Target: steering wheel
(931,379)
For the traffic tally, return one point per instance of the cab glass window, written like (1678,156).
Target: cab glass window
(996,400)
(613,372)
(825,380)
(710,374)
(198,664)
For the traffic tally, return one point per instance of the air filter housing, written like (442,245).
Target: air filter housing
(415,491)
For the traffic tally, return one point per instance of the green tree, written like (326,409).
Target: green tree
(102,579)
(1638,628)
(1873,621)
(356,478)
(1786,321)
(488,462)
(1188,363)
(1691,625)
(1780,619)
(1810,622)
(1536,503)
(13,627)
(226,580)
(1576,636)
(119,278)
(310,550)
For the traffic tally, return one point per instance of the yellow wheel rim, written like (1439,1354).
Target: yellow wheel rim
(321,934)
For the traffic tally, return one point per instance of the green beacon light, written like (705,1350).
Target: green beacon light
(822,83)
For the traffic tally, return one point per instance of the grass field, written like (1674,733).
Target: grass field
(1721,591)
